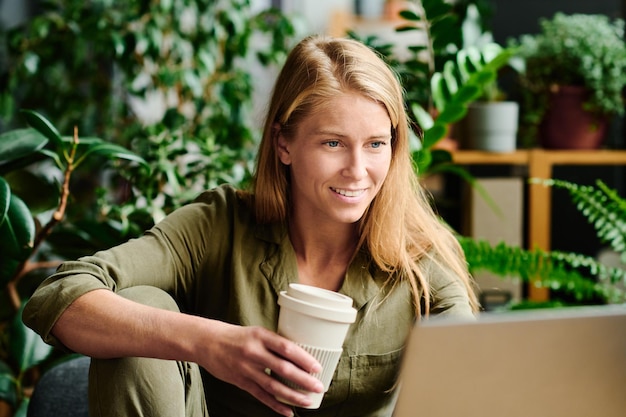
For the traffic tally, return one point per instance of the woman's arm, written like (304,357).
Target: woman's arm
(103,324)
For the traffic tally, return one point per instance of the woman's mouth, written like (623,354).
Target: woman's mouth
(348,193)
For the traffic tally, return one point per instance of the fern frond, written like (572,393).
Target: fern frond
(555,270)
(603,208)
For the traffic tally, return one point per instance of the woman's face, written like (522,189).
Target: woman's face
(339,158)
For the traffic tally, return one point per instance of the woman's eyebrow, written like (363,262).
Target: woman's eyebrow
(330,132)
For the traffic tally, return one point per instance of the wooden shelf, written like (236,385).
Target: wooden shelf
(540,163)
(524,157)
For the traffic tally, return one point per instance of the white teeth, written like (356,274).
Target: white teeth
(348,193)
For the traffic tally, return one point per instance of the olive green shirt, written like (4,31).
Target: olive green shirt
(217,262)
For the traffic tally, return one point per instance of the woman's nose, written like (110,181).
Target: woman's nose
(356,165)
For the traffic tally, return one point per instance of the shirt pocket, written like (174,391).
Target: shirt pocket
(373,379)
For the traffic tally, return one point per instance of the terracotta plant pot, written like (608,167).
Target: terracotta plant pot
(566,125)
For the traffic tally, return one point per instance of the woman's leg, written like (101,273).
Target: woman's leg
(142,386)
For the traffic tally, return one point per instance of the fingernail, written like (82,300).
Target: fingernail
(319,387)
(317,368)
(286,412)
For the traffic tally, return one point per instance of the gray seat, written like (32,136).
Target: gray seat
(62,391)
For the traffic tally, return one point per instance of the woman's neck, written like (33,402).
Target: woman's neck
(323,254)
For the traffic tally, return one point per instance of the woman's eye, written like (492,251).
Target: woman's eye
(378,144)
(332,143)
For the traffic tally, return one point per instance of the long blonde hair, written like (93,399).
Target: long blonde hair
(400,227)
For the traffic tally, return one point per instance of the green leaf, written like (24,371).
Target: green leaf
(423,118)
(54,156)
(441,156)
(444,31)
(409,15)
(90,146)
(208,60)
(41,124)
(449,74)
(474,58)
(193,82)
(166,5)
(16,144)
(22,410)
(5,198)
(26,346)
(423,159)
(452,113)
(7,383)
(484,77)
(467,94)
(438,90)
(111,151)
(461,62)
(490,51)
(434,135)
(17,232)
(406,28)
(436,9)
(118,44)
(40,193)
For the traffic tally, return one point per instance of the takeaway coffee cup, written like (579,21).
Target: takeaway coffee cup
(317,320)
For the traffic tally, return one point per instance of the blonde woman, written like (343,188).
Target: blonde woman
(182,320)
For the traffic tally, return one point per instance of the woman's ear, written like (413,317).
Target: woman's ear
(282,145)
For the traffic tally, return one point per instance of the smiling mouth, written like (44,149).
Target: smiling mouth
(348,193)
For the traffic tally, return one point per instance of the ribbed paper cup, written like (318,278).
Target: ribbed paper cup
(318,321)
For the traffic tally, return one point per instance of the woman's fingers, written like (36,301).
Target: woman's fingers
(294,364)
(278,396)
(243,354)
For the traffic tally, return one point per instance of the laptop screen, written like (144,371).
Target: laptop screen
(568,362)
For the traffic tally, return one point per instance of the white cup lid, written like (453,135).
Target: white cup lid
(319,296)
(318,302)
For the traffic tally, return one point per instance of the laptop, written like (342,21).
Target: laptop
(567,362)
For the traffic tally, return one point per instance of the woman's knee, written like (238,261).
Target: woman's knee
(144,386)
(136,387)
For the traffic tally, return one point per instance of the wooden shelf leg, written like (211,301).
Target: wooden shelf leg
(540,206)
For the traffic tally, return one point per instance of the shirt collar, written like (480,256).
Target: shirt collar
(362,283)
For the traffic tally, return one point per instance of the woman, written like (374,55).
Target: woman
(335,204)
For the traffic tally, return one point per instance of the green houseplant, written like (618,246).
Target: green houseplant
(584,279)
(31,208)
(491,123)
(166,79)
(577,61)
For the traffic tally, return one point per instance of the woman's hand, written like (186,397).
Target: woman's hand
(242,356)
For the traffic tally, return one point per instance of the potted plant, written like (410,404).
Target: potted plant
(491,124)
(575,70)
(492,120)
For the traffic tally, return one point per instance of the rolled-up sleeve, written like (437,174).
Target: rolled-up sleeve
(167,257)
(449,294)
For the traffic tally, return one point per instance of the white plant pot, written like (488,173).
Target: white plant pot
(493,126)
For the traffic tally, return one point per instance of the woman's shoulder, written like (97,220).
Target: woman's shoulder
(224,194)
(225,199)
(218,207)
